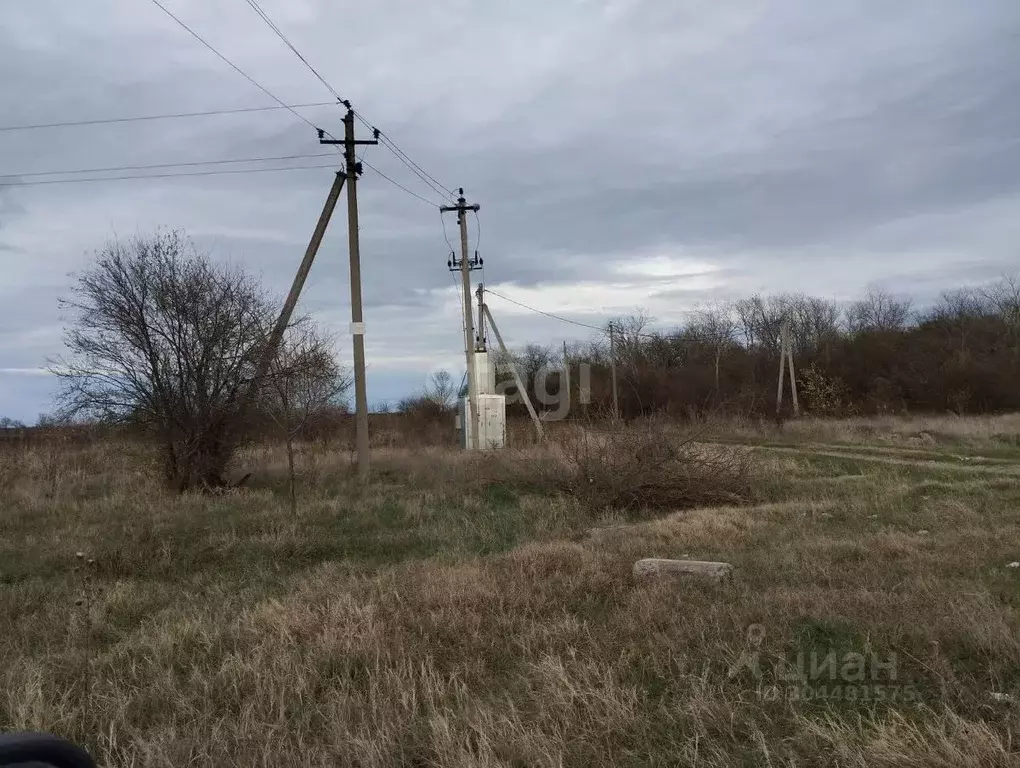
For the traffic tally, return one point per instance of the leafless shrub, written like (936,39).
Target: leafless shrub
(305,380)
(643,466)
(166,339)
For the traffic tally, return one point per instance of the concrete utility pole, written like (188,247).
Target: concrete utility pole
(793,379)
(565,384)
(469,332)
(786,355)
(612,362)
(521,389)
(480,296)
(283,320)
(357,320)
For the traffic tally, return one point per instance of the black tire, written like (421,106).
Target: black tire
(41,750)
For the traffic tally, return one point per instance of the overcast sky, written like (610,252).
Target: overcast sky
(625,153)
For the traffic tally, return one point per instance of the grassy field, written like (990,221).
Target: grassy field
(475,611)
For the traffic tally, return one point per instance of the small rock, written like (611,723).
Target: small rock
(873,516)
(1014,564)
(923,532)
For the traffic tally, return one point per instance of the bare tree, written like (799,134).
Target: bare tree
(1004,297)
(713,326)
(630,332)
(814,324)
(167,339)
(305,380)
(760,320)
(441,389)
(878,311)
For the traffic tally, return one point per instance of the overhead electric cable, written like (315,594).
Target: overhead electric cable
(547,314)
(385,140)
(167,165)
(167,175)
(170,116)
(237,69)
(399,185)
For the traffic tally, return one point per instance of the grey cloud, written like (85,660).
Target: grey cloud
(791,145)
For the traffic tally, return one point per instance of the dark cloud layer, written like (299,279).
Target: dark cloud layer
(624,152)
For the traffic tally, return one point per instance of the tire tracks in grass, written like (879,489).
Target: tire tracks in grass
(1008,470)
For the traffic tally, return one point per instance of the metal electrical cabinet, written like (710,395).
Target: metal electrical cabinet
(491,422)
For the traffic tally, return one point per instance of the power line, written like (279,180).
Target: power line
(386,141)
(547,314)
(170,175)
(279,33)
(392,146)
(418,171)
(232,65)
(398,184)
(168,165)
(568,320)
(478,243)
(445,236)
(104,121)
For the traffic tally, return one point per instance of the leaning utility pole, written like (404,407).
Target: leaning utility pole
(469,332)
(357,320)
(612,363)
(521,389)
(283,320)
(565,384)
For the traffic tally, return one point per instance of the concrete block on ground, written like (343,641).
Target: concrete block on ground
(654,566)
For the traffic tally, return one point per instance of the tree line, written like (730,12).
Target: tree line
(875,355)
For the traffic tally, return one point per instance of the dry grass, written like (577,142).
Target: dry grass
(458,612)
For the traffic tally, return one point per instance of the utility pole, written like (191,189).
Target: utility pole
(480,296)
(565,384)
(521,389)
(283,320)
(469,332)
(357,319)
(612,362)
(782,368)
(786,355)
(793,379)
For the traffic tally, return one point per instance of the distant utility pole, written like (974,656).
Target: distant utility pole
(357,320)
(565,384)
(466,264)
(786,354)
(612,363)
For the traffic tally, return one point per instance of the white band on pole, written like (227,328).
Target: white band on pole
(357,329)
